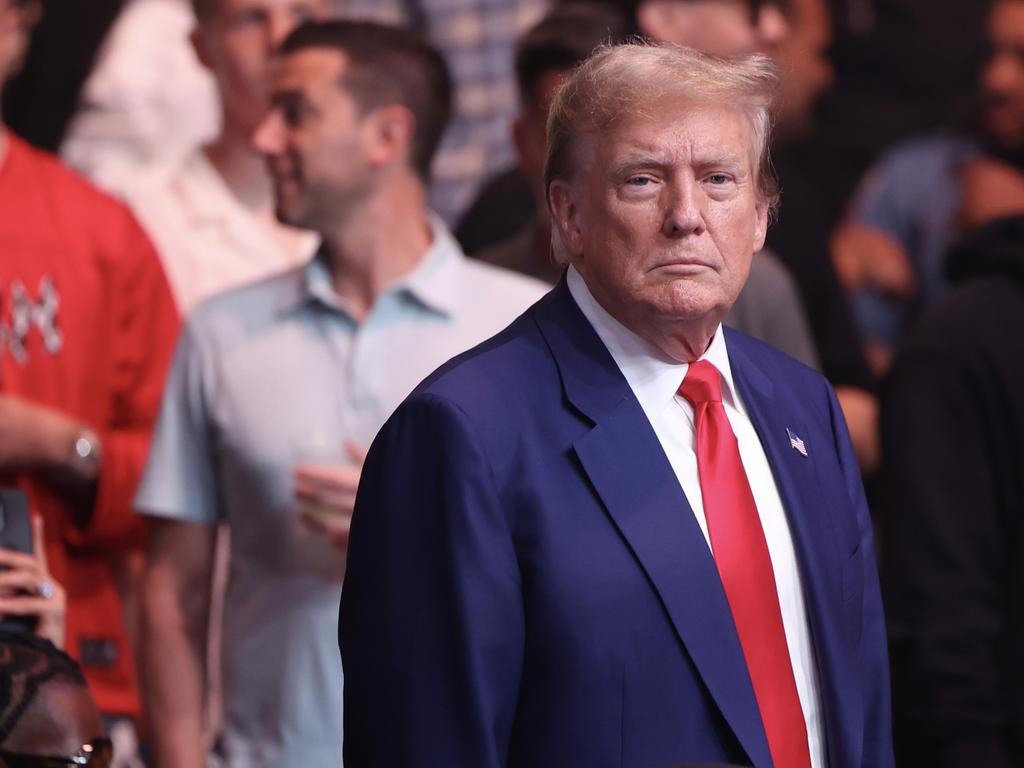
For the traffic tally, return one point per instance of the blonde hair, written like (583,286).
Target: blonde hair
(631,80)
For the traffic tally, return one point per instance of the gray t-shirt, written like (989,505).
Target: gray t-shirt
(269,376)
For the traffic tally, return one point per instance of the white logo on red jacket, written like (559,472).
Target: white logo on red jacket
(26,316)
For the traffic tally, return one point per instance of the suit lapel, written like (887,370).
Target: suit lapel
(813,526)
(779,421)
(627,467)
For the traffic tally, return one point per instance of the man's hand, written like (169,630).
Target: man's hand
(861,411)
(865,257)
(27,589)
(34,437)
(326,495)
(989,190)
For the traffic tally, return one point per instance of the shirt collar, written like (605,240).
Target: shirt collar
(651,374)
(433,283)
(435,280)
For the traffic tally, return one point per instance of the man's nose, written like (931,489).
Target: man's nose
(1002,73)
(684,211)
(268,138)
(280,25)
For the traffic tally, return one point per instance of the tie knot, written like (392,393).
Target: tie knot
(702,383)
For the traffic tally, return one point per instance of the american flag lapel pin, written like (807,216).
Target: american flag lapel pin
(796,442)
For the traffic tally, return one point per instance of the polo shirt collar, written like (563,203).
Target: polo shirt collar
(435,280)
(433,283)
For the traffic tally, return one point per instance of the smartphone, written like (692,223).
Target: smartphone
(15,524)
(16,533)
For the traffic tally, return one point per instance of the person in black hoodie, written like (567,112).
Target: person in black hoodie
(952,524)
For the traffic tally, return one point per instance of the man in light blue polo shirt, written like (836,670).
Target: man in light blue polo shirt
(278,387)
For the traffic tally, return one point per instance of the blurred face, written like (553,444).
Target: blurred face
(15,24)
(663,218)
(1002,81)
(238,42)
(802,55)
(531,132)
(722,27)
(319,147)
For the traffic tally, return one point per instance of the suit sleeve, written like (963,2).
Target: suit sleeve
(143,331)
(874,655)
(948,550)
(431,627)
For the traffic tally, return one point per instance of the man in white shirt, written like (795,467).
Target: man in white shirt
(617,534)
(147,102)
(212,216)
(278,386)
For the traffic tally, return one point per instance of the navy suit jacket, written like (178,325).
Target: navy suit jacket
(527,584)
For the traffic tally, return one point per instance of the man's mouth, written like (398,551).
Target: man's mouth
(682,264)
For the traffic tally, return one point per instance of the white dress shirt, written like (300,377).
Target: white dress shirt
(655,379)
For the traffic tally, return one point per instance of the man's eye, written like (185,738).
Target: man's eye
(293,114)
(718,179)
(249,17)
(638,181)
(301,13)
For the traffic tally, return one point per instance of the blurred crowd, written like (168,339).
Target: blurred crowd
(194,360)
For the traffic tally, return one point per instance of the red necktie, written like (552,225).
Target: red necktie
(745,567)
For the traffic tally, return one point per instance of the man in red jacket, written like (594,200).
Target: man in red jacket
(87,325)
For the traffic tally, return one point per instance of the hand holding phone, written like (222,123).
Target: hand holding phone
(30,600)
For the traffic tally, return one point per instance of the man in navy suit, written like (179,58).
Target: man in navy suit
(616,534)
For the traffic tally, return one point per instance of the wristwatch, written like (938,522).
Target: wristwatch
(86,452)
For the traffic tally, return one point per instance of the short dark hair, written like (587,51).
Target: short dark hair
(388,65)
(202,9)
(564,37)
(26,663)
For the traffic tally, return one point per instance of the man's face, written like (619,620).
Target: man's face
(1002,79)
(721,27)
(238,42)
(663,217)
(316,141)
(531,130)
(803,56)
(15,24)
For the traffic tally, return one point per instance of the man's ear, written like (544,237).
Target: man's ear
(761,225)
(391,130)
(563,197)
(518,131)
